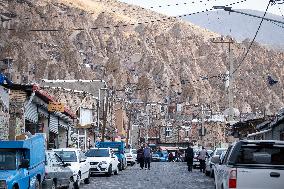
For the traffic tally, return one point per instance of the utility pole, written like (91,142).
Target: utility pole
(230,77)
(129,124)
(105,110)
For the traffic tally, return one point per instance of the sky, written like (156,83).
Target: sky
(190,7)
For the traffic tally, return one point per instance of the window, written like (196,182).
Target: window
(67,156)
(97,153)
(261,154)
(168,132)
(282,135)
(186,133)
(7,159)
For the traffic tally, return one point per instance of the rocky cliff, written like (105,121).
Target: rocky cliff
(88,39)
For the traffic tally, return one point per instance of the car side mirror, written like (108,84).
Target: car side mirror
(66,164)
(25,163)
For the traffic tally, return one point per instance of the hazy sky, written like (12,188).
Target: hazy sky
(206,4)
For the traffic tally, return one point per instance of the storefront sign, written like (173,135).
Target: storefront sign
(55,107)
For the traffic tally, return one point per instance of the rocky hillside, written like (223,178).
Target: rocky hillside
(88,39)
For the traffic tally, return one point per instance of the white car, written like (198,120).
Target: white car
(209,164)
(131,156)
(251,164)
(102,160)
(78,162)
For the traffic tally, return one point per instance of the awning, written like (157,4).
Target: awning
(31,113)
(43,112)
(53,124)
(63,124)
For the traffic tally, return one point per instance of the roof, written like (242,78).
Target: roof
(29,88)
(263,125)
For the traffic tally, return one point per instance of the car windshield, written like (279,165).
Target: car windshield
(97,153)
(155,155)
(67,156)
(134,151)
(261,154)
(7,159)
(127,150)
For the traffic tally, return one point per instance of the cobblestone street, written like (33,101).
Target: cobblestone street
(164,175)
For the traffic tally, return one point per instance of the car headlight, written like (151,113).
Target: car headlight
(3,184)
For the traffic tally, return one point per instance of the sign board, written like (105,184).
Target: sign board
(55,107)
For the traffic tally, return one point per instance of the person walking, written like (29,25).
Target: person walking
(171,157)
(202,157)
(147,156)
(140,157)
(189,157)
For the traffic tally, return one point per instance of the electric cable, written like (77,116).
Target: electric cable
(258,29)
(173,18)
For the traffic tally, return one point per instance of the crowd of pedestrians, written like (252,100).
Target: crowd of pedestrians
(144,155)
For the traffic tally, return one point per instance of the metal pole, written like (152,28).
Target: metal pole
(202,125)
(231,81)
(98,109)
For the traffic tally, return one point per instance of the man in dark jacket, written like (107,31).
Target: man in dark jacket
(140,157)
(189,157)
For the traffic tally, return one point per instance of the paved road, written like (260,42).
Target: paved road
(164,175)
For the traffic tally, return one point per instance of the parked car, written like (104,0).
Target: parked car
(209,164)
(118,149)
(78,162)
(22,163)
(252,164)
(57,172)
(155,157)
(130,156)
(102,160)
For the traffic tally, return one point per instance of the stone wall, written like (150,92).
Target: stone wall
(4,113)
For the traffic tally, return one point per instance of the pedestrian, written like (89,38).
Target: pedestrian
(202,157)
(140,157)
(147,156)
(189,157)
(171,157)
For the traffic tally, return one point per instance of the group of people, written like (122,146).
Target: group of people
(176,157)
(202,155)
(144,155)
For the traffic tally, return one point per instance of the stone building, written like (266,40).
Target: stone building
(4,113)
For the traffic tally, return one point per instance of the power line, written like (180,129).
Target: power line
(103,12)
(121,25)
(258,29)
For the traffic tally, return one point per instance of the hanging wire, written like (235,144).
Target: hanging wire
(258,29)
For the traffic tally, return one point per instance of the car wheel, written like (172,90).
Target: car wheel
(109,171)
(87,180)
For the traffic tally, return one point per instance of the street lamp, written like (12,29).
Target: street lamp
(229,9)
